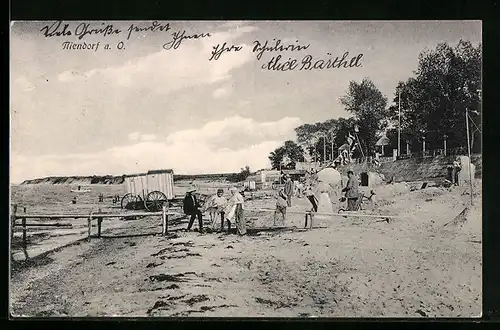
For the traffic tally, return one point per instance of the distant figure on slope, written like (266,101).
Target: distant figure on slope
(190,207)
(281,204)
(351,192)
(74,200)
(288,190)
(457,167)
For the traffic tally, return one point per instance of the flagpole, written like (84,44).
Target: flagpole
(468,149)
(332,147)
(399,127)
(324,148)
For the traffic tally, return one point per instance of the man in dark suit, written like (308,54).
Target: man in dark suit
(190,207)
(351,192)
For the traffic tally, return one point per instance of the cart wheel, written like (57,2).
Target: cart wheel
(131,202)
(154,201)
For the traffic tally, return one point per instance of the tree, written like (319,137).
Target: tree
(238,177)
(368,106)
(317,138)
(433,102)
(291,150)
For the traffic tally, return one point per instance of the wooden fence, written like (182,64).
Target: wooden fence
(98,216)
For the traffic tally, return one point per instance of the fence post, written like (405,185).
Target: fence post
(89,223)
(305,218)
(99,222)
(311,220)
(24,233)
(164,220)
(13,222)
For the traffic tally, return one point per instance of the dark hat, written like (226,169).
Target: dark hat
(350,172)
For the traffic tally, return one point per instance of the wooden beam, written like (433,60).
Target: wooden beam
(46,225)
(24,233)
(13,221)
(343,214)
(96,215)
(89,224)
(164,218)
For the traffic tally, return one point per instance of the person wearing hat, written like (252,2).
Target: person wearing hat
(351,192)
(191,207)
(215,207)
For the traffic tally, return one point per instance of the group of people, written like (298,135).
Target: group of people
(224,212)
(318,193)
(229,211)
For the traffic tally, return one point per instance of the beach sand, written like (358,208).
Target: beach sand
(413,266)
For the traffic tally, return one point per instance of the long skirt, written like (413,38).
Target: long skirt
(279,215)
(240,220)
(325,204)
(352,204)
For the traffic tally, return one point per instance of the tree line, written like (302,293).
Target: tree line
(433,104)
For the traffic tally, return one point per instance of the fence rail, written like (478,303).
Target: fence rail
(308,217)
(98,216)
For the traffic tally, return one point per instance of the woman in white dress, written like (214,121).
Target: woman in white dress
(215,207)
(325,203)
(234,212)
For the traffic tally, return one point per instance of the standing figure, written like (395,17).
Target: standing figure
(288,190)
(325,203)
(191,208)
(351,192)
(234,211)
(311,197)
(457,167)
(300,189)
(215,207)
(281,204)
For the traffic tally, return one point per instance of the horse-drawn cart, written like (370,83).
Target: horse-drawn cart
(148,190)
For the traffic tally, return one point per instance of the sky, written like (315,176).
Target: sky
(118,111)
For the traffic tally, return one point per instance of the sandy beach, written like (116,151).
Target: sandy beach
(419,265)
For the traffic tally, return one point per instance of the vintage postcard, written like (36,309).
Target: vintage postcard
(246,169)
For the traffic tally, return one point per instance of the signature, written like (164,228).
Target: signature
(178,37)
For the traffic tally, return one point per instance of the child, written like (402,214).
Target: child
(310,196)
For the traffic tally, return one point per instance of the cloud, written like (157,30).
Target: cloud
(218,146)
(221,92)
(148,137)
(169,70)
(24,84)
(134,136)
